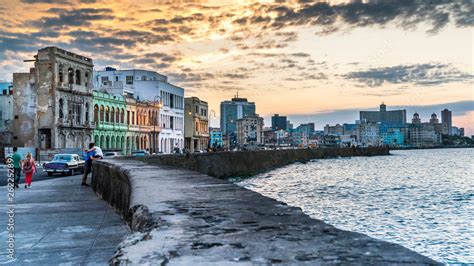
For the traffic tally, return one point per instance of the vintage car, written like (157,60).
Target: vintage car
(65,164)
(111,154)
(140,153)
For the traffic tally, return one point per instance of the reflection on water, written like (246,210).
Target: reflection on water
(421,199)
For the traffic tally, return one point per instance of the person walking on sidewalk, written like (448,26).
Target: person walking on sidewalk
(16,167)
(29,168)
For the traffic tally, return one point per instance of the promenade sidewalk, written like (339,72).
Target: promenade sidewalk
(58,221)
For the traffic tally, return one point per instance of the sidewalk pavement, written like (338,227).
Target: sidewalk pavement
(39,165)
(58,221)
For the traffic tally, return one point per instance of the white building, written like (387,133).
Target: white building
(150,86)
(368,134)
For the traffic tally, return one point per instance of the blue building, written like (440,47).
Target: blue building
(393,137)
(215,138)
(394,134)
(231,111)
(278,122)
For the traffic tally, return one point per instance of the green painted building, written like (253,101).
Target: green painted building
(111,125)
(124,123)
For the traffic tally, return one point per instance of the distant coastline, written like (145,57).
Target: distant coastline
(429,148)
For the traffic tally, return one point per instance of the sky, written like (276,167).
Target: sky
(314,61)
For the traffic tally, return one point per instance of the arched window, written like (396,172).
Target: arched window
(101,113)
(122,119)
(117,116)
(70,76)
(61,108)
(60,74)
(112,114)
(78,77)
(107,117)
(96,113)
(87,79)
(149,118)
(87,112)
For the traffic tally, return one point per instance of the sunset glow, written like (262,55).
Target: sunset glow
(311,60)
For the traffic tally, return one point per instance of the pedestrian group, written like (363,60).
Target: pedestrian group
(28,165)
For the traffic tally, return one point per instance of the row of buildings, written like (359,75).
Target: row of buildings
(63,103)
(374,128)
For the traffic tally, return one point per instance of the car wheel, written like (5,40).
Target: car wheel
(50,174)
(71,172)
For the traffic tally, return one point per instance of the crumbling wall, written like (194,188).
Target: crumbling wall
(24,110)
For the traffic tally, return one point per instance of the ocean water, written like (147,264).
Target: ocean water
(421,199)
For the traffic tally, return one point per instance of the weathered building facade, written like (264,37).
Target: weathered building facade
(196,124)
(250,131)
(124,123)
(6,115)
(151,87)
(53,103)
(143,129)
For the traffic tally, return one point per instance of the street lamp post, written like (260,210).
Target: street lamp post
(154,121)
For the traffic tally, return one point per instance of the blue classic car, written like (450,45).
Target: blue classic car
(65,164)
(140,153)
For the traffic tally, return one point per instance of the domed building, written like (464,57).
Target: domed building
(434,119)
(416,119)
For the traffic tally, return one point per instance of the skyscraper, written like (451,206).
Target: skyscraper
(233,110)
(278,122)
(446,120)
(384,116)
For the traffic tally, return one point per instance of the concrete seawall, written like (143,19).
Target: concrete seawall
(248,163)
(184,217)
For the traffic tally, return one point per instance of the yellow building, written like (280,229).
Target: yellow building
(196,124)
(143,125)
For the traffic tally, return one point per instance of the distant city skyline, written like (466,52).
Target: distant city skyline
(349,116)
(313,61)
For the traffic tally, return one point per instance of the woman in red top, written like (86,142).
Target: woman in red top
(29,168)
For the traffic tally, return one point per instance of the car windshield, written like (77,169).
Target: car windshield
(62,157)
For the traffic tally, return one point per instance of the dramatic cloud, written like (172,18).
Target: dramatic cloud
(294,54)
(422,74)
(57,1)
(407,14)
(45,1)
(74,17)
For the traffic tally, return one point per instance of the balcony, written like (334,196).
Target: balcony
(72,87)
(62,122)
(111,126)
(201,134)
